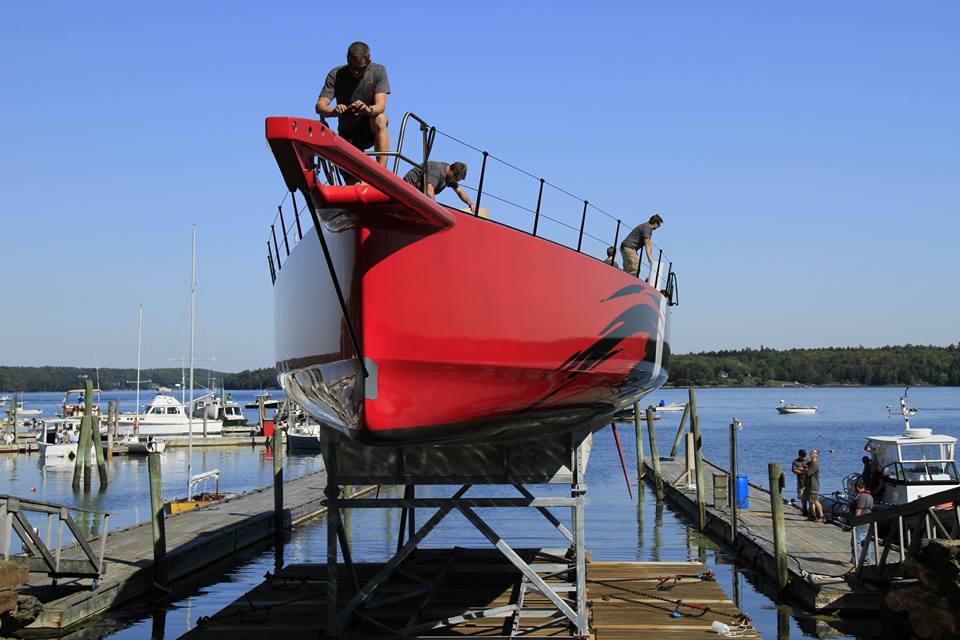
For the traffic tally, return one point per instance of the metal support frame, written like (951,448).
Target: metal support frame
(568,599)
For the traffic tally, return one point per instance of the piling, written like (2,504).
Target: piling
(204,405)
(156,517)
(698,469)
(263,415)
(278,520)
(93,423)
(82,461)
(779,531)
(110,406)
(638,433)
(732,485)
(654,454)
(13,417)
(683,421)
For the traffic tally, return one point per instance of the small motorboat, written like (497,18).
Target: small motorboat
(269,402)
(793,408)
(673,406)
(143,446)
(4,400)
(60,444)
(23,412)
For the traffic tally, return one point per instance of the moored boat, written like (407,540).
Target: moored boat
(165,417)
(141,446)
(304,437)
(411,340)
(22,412)
(793,408)
(672,406)
(269,402)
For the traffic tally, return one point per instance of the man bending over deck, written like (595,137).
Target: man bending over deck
(360,88)
(641,236)
(439,176)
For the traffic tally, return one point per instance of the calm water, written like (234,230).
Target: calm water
(618,528)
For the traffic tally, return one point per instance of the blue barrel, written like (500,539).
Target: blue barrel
(743,493)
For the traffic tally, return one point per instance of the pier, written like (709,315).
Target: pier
(194,540)
(119,448)
(819,571)
(476,592)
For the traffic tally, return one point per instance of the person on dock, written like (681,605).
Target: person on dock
(861,506)
(812,474)
(612,260)
(441,175)
(360,88)
(799,469)
(641,236)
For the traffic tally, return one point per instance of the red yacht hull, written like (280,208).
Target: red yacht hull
(468,329)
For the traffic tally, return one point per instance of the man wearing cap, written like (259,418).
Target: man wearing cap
(360,88)
(641,236)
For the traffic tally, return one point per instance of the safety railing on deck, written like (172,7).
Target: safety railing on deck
(901,528)
(554,214)
(43,555)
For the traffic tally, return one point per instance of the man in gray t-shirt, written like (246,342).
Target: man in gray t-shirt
(813,486)
(640,237)
(360,88)
(439,176)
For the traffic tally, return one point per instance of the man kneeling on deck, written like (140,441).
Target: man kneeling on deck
(439,176)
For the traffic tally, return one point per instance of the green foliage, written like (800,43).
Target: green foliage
(63,378)
(899,365)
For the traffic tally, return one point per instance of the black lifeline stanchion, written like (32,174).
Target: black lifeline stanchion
(276,249)
(483,170)
(296,215)
(283,230)
(273,273)
(616,237)
(583,222)
(536,214)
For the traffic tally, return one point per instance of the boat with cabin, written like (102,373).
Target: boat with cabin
(664,406)
(165,417)
(223,408)
(269,402)
(22,412)
(906,467)
(413,337)
(793,408)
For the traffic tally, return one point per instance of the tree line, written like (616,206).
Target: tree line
(63,378)
(892,365)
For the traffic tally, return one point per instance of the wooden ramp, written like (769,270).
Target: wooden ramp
(476,595)
(194,540)
(818,555)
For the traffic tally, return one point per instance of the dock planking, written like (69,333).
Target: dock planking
(818,555)
(625,600)
(194,540)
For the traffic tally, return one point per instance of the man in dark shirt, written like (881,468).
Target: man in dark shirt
(862,505)
(813,486)
(360,88)
(640,237)
(799,469)
(439,176)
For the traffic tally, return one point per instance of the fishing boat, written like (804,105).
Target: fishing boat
(269,402)
(222,408)
(436,325)
(913,464)
(75,409)
(166,417)
(793,408)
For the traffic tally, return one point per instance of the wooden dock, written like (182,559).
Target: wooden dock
(626,600)
(818,555)
(120,449)
(194,540)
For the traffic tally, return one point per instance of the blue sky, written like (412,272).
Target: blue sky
(803,156)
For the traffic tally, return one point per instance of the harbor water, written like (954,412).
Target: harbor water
(618,527)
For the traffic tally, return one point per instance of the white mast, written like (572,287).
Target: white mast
(193,292)
(139,336)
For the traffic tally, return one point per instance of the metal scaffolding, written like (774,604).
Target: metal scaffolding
(559,575)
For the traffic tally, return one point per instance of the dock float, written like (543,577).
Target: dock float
(195,539)
(476,592)
(818,554)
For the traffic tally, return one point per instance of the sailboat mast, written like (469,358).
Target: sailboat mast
(193,296)
(139,337)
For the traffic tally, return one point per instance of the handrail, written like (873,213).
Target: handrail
(913,507)
(660,273)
